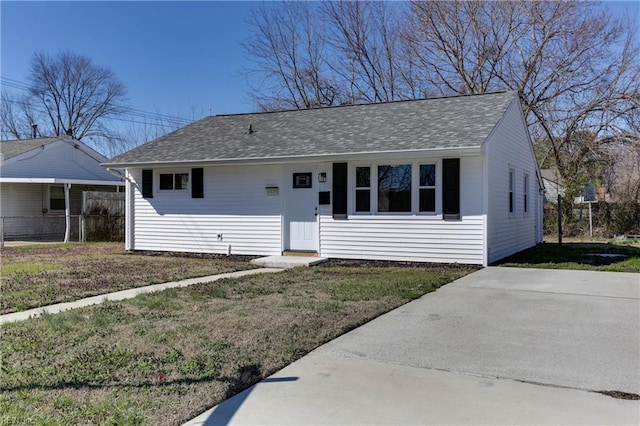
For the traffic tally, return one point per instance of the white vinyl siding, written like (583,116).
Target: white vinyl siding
(508,148)
(418,239)
(235,206)
(23,199)
(412,237)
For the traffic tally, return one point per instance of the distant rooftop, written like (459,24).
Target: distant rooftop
(16,147)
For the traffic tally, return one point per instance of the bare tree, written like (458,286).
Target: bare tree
(333,53)
(459,45)
(75,95)
(576,69)
(288,50)
(16,117)
(147,127)
(365,42)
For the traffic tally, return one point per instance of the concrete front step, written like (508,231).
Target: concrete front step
(287,261)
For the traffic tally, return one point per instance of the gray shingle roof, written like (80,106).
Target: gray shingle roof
(16,147)
(453,122)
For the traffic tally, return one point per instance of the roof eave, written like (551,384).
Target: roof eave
(448,151)
(62,181)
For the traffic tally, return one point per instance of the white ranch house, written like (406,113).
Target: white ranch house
(435,180)
(41,185)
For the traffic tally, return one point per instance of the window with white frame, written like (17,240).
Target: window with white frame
(171,181)
(56,197)
(525,194)
(512,190)
(363,189)
(427,188)
(394,188)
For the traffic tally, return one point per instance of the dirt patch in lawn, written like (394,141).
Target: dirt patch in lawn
(39,275)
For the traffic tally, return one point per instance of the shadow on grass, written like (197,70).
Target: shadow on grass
(247,376)
(240,386)
(595,256)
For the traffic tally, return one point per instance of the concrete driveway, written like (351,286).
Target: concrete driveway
(502,345)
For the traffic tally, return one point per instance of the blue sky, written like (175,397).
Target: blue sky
(175,57)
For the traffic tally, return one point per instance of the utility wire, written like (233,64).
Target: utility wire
(132,111)
(13,101)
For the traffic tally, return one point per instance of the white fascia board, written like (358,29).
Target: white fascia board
(61,181)
(433,152)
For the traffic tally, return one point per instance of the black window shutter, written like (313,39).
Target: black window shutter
(340,190)
(451,188)
(197,183)
(147,183)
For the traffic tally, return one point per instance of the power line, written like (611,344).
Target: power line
(132,111)
(13,101)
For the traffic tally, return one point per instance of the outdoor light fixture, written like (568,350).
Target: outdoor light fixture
(322,177)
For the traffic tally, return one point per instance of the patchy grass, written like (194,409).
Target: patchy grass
(39,275)
(163,358)
(579,255)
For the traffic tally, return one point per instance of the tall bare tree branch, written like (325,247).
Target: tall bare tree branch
(76,95)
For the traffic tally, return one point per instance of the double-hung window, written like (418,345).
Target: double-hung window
(363,189)
(512,191)
(170,181)
(56,197)
(525,194)
(427,187)
(394,188)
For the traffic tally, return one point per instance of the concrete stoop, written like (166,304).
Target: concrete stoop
(287,261)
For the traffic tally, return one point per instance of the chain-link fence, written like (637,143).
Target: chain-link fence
(51,228)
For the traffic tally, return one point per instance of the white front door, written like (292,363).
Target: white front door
(302,209)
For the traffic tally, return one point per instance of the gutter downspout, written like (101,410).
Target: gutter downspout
(67,212)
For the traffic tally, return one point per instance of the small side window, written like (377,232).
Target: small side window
(169,181)
(363,189)
(525,193)
(512,189)
(56,197)
(166,181)
(181,181)
(427,187)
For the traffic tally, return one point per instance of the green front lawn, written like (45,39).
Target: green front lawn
(40,275)
(163,358)
(598,256)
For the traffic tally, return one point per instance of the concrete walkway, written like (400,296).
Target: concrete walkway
(499,346)
(126,294)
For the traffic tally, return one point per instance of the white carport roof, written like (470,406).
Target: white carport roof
(61,181)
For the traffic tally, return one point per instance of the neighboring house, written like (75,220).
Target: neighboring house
(553,185)
(552,188)
(42,179)
(435,180)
